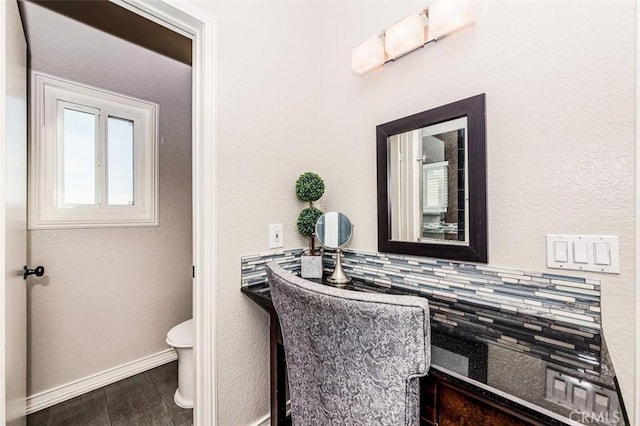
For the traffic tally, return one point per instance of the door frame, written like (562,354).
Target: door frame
(636,390)
(197,24)
(12,414)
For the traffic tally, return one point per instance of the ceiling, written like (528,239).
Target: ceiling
(120,22)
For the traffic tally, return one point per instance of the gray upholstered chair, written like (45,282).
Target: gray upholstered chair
(353,358)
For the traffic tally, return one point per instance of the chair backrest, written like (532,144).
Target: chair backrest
(353,358)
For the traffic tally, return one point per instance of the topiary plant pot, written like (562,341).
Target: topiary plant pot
(311,266)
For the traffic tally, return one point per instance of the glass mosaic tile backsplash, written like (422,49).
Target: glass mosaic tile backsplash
(568,299)
(253,271)
(549,316)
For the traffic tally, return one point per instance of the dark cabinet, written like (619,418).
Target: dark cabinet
(444,404)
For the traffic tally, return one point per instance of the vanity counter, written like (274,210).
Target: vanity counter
(540,370)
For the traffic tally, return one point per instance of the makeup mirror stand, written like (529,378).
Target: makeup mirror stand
(338,278)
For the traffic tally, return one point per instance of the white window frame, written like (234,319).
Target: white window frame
(46,187)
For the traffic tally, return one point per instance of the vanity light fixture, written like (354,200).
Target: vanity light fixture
(448,16)
(406,35)
(440,19)
(368,55)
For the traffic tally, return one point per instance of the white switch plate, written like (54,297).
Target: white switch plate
(580,394)
(596,253)
(276,238)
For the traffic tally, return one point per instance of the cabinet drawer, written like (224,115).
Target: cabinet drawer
(456,408)
(444,404)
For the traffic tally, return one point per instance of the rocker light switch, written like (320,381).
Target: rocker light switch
(601,403)
(561,251)
(597,253)
(559,389)
(580,252)
(602,253)
(580,397)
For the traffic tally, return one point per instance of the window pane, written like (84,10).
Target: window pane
(79,157)
(120,161)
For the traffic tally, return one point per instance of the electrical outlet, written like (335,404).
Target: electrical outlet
(275,235)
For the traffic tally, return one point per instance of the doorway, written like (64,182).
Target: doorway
(199,26)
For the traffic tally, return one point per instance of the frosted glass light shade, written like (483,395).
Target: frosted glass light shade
(405,35)
(367,55)
(447,16)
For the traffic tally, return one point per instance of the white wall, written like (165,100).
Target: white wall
(560,127)
(267,119)
(111,295)
(560,109)
(560,119)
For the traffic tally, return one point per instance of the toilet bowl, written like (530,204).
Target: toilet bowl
(181,338)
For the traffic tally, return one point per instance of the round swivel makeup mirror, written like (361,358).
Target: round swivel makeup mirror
(334,231)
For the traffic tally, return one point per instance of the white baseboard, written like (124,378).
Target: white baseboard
(265,421)
(78,387)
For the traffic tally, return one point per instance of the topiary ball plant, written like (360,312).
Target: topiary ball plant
(309,188)
(307,221)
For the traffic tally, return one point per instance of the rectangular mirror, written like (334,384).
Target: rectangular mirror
(432,183)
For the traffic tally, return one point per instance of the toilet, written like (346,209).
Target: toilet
(181,338)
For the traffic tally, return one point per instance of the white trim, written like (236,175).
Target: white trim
(47,210)
(264,421)
(203,30)
(79,387)
(147,10)
(13,125)
(636,390)
(4,11)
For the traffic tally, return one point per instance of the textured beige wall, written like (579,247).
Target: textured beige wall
(111,295)
(560,142)
(267,120)
(560,119)
(560,127)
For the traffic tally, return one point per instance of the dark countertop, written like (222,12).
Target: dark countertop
(511,357)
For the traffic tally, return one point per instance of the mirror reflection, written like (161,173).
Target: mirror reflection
(428,183)
(333,230)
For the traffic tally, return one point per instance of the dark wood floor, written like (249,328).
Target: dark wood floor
(141,400)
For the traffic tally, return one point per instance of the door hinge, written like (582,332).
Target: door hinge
(193,271)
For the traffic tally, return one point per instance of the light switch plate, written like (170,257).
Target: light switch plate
(276,239)
(595,253)
(581,395)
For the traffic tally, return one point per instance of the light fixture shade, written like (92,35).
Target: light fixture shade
(447,16)
(367,55)
(405,35)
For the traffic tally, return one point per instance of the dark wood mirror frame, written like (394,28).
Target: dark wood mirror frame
(474,109)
